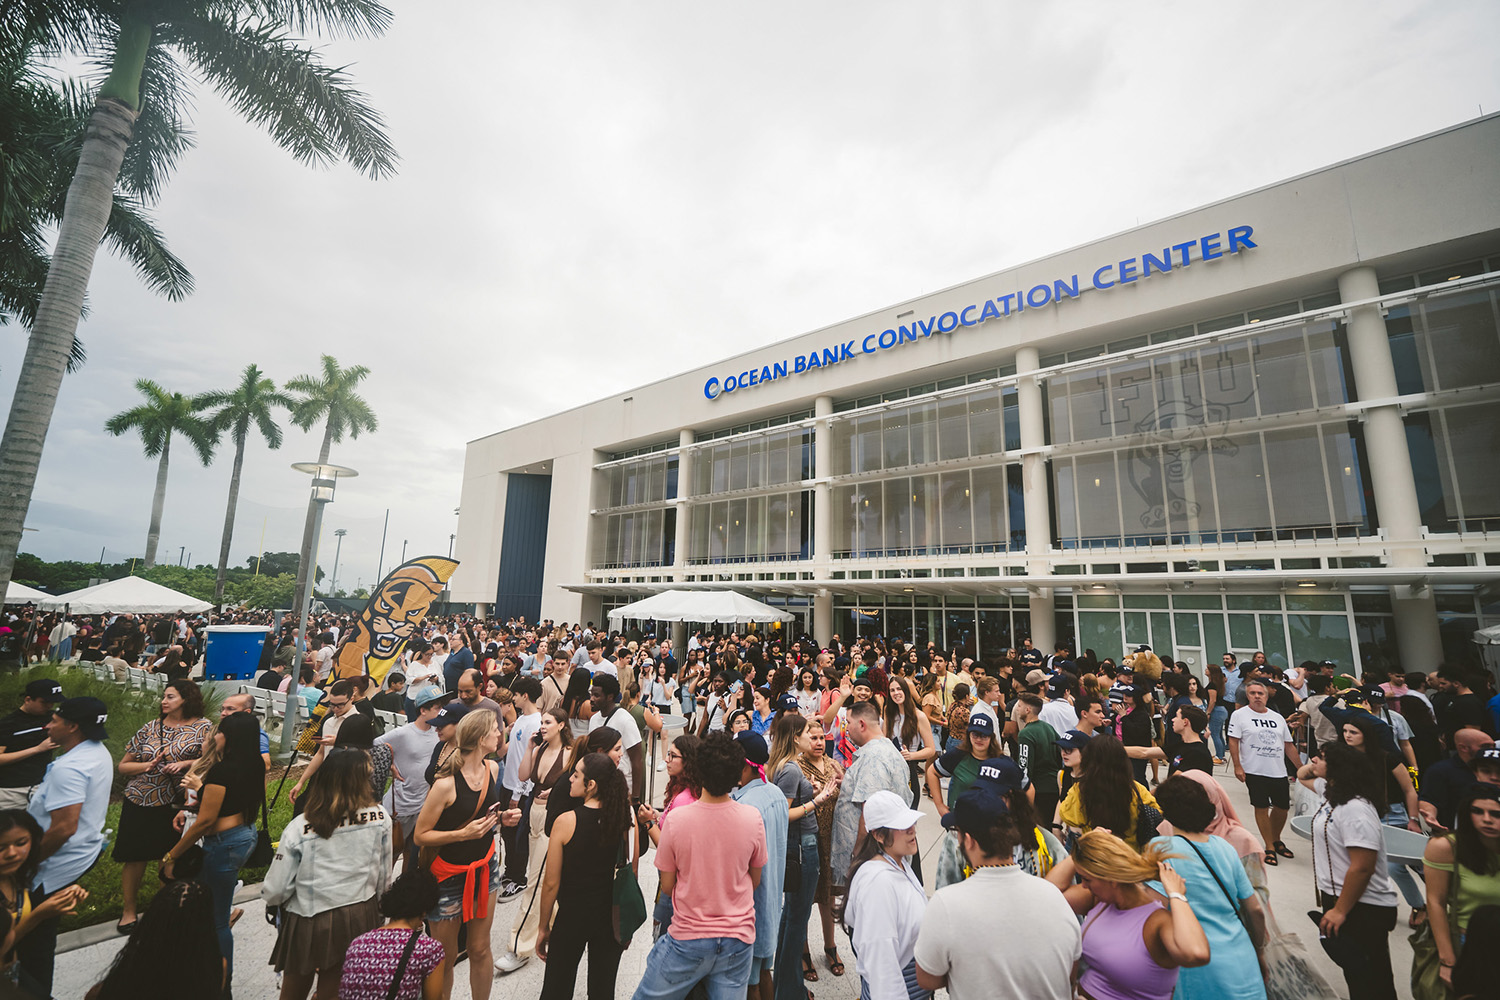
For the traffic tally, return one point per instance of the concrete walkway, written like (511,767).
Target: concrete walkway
(1291,886)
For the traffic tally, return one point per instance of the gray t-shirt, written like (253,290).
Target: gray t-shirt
(799,791)
(411,749)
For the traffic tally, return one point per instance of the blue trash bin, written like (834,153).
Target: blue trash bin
(232,652)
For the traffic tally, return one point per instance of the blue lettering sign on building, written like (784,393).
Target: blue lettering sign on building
(1039,296)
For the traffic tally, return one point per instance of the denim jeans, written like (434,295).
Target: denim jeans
(1217,719)
(674,967)
(1402,874)
(796,911)
(223,856)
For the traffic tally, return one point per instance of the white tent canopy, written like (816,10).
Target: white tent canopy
(723,607)
(130,593)
(1488,636)
(19,593)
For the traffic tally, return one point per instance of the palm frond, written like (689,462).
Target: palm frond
(333,18)
(161,135)
(132,233)
(310,109)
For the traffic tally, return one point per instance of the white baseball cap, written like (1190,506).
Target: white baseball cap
(886,810)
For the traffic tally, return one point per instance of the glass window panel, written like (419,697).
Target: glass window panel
(1137,631)
(958,522)
(1239,469)
(867,444)
(1098,498)
(1462,339)
(673,465)
(755,528)
(1214,645)
(1434,484)
(802,514)
(923,423)
(1326,365)
(1131,403)
(719,532)
(1055,395)
(1201,602)
(1377,643)
(655,525)
(842,518)
(1097,601)
(776,459)
(1281,371)
(1321,637)
(1145,601)
(1344,477)
(611,554)
(1298,492)
(1273,639)
(1161,635)
(988,489)
(869,508)
(1229,380)
(953,428)
(739,465)
(986,436)
(721,468)
(994,634)
(700,530)
(896,438)
(924,512)
(1242,634)
(896,517)
(1413,373)
(1473,434)
(1065,501)
(757,463)
(841,440)
(778,513)
(1145,494)
(737,516)
(1315,602)
(898,623)
(959,633)
(1010,409)
(1101,631)
(927,625)
(1088,408)
(843,623)
(1015,498)
(1188,633)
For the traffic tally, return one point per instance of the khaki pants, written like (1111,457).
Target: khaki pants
(16,798)
(522,938)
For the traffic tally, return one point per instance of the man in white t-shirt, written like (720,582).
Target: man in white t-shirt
(604,695)
(524,692)
(1260,744)
(597,663)
(411,749)
(1058,712)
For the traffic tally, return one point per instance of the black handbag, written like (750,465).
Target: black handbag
(263,853)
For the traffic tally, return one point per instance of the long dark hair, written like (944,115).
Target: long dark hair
(578,691)
(687,746)
(601,740)
(355,731)
(10,819)
(612,793)
(176,932)
(1468,845)
(242,745)
(1106,783)
(1350,776)
(911,722)
(1373,752)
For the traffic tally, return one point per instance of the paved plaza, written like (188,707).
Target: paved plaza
(1291,897)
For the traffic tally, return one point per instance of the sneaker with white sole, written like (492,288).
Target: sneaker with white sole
(510,962)
(510,890)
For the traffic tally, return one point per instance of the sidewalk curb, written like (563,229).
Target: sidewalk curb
(85,937)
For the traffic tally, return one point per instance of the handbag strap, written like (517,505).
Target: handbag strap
(1234,904)
(411,945)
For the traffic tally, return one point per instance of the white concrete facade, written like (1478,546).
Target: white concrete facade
(1369,231)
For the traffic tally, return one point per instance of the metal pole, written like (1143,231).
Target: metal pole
(379,566)
(293,699)
(333,584)
(450,545)
(403,550)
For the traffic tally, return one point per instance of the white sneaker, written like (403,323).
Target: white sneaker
(510,962)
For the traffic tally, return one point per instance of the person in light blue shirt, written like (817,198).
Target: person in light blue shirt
(70,806)
(771,802)
(1223,900)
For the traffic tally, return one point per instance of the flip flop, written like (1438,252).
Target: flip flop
(1271,859)
(1283,850)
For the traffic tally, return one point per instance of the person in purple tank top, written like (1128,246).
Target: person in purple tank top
(1134,940)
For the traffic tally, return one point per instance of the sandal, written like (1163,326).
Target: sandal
(809,971)
(1283,850)
(1271,859)
(834,965)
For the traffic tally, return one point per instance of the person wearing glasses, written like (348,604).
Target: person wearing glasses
(340,704)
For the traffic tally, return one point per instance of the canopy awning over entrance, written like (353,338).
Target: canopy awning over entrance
(130,593)
(724,607)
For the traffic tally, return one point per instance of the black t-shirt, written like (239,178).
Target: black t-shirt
(270,680)
(1464,710)
(21,731)
(243,791)
(1443,784)
(1191,757)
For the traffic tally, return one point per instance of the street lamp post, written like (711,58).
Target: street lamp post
(324,478)
(333,584)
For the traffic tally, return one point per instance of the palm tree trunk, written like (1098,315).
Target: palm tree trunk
(304,564)
(90,198)
(234,500)
(153,533)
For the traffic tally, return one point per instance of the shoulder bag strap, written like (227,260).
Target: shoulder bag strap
(411,946)
(1234,904)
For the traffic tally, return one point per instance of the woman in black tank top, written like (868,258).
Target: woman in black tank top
(584,848)
(458,819)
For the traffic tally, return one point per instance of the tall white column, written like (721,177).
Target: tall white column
(1034,489)
(1417,635)
(822,517)
(684,492)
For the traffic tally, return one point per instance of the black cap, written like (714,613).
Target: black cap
(1489,755)
(44,688)
(449,714)
(754,746)
(977,808)
(90,714)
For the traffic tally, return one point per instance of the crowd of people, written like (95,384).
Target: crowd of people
(794,777)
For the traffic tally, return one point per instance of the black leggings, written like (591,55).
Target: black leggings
(1366,950)
(575,929)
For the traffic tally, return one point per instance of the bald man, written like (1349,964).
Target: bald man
(1446,781)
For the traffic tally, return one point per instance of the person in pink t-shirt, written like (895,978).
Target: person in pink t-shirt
(710,859)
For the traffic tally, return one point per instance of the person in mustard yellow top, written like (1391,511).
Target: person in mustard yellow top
(1106,796)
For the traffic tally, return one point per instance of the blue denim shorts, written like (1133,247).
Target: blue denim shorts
(450,905)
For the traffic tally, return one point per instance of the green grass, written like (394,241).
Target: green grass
(128,712)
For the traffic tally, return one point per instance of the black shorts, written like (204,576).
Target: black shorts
(1266,792)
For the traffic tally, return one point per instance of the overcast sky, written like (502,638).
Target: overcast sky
(594,195)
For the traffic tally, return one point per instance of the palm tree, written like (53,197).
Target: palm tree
(162,414)
(331,398)
(250,402)
(248,50)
